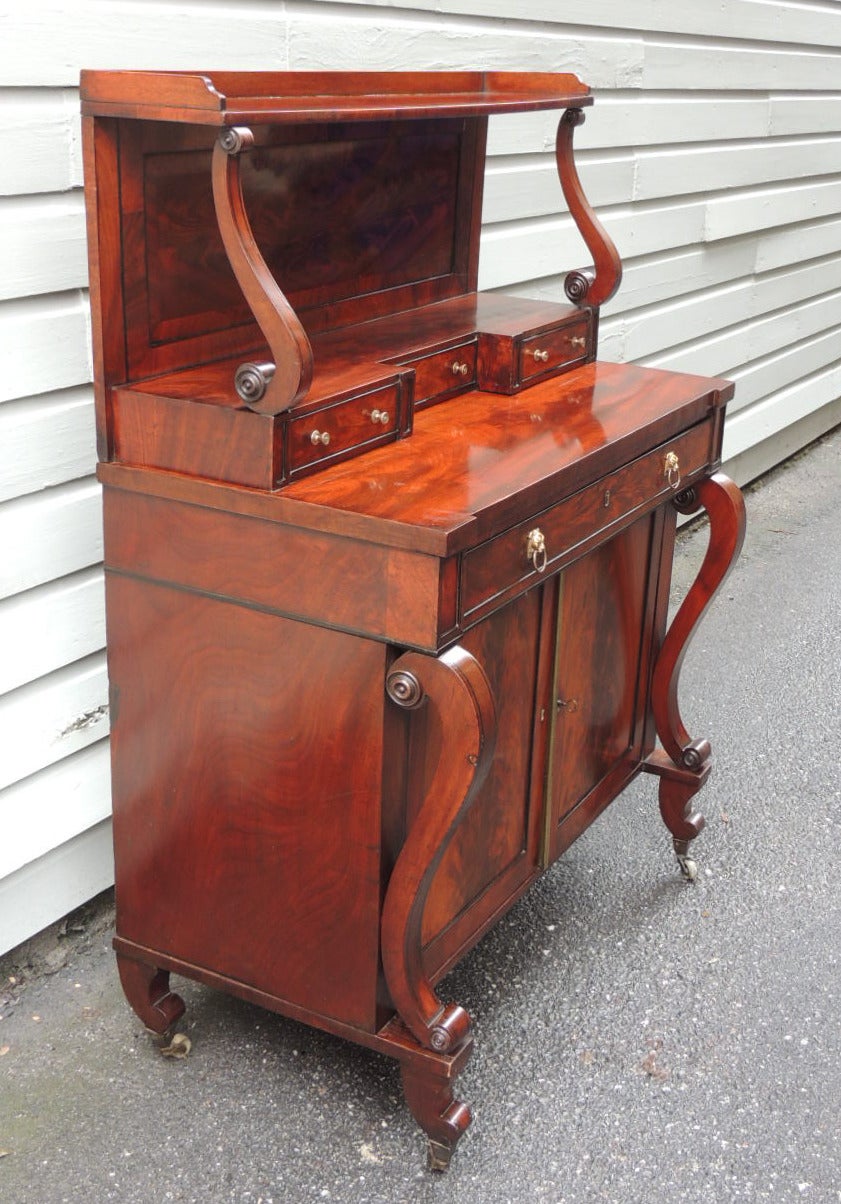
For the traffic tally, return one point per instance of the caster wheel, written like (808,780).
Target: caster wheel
(688,868)
(438,1155)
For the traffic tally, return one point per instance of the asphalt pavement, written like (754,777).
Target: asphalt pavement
(639,1039)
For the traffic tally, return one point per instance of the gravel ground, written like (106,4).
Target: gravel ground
(638,1038)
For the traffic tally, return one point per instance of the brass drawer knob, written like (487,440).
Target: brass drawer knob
(536,549)
(460,369)
(380,416)
(671,469)
(578,341)
(542,357)
(321,438)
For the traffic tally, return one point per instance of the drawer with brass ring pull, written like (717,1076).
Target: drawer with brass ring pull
(498,570)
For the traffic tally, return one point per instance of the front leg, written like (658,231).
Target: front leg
(146,987)
(458,750)
(684,764)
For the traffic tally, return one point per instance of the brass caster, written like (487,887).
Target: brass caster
(438,1155)
(688,867)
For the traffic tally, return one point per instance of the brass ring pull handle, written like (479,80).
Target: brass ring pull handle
(542,357)
(671,470)
(460,369)
(536,549)
(320,438)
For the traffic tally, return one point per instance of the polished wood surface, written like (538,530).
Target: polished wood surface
(387,559)
(498,460)
(291,373)
(227,97)
(599,287)
(270,832)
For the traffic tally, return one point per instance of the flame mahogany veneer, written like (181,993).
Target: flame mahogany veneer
(387,559)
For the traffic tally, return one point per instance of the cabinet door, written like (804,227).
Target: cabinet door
(603,645)
(494,853)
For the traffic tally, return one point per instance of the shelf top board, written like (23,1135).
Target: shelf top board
(227,97)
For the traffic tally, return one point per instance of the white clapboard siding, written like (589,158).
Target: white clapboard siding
(51,807)
(546,246)
(46,440)
(647,331)
(762,377)
(44,344)
(779,410)
(51,626)
(797,242)
(49,534)
(773,21)
(44,890)
(627,118)
(321,35)
(44,721)
(515,189)
(41,143)
(749,341)
(125,34)
(678,63)
(713,154)
(42,244)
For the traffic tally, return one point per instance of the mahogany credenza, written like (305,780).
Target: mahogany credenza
(387,558)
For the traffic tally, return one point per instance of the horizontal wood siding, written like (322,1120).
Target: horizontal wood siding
(713,155)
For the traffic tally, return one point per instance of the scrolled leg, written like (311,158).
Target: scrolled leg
(684,764)
(147,990)
(459,756)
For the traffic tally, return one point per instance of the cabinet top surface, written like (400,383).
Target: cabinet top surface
(226,97)
(476,465)
(488,459)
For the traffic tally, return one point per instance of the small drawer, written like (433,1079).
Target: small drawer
(513,562)
(553,349)
(334,431)
(444,373)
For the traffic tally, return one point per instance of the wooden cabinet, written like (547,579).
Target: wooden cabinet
(387,558)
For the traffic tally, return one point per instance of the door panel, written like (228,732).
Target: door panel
(602,634)
(494,852)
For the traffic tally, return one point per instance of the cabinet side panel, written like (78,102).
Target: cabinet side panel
(102,199)
(247,754)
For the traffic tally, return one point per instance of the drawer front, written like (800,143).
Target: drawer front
(444,373)
(332,432)
(553,349)
(510,563)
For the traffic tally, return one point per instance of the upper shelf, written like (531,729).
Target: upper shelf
(221,98)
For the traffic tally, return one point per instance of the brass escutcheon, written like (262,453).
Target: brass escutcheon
(536,549)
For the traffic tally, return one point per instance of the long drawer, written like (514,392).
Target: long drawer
(507,565)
